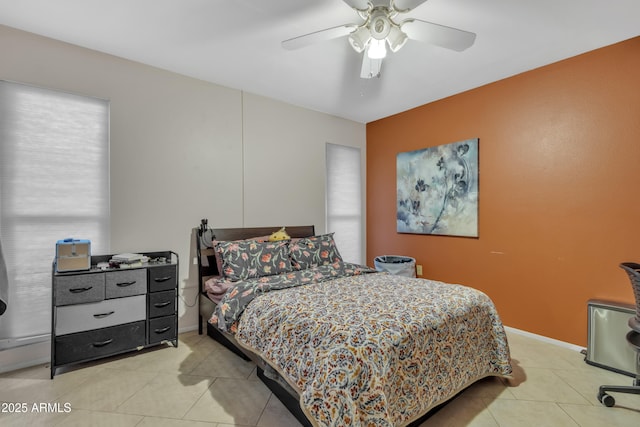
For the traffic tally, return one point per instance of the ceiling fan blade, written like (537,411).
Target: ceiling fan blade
(439,35)
(358,4)
(318,36)
(403,6)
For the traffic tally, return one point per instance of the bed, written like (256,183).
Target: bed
(342,344)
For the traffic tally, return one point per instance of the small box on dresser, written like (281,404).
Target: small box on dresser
(98,313)
(73,254)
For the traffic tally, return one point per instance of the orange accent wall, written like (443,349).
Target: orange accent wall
(559,197)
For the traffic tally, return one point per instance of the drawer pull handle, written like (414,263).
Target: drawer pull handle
(123,284)
(78,290)
(162,279)
(162,330)
(102,343)
(103,315)
(161,304)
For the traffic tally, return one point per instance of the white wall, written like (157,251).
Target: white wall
(284,161)
(183,149)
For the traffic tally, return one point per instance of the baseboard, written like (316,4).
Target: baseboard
(13,359)
(545,339)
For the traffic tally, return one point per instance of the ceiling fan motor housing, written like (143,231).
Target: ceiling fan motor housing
(379,23)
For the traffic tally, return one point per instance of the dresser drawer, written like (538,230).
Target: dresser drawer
(126,283)
(110,312)
(162,328)
(162,303)
(98,343)
(78,289)
(162,278)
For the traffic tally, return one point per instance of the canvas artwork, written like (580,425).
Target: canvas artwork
(437,190)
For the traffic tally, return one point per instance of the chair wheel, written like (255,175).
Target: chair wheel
(607,400)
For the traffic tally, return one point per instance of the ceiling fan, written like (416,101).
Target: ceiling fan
(381,29)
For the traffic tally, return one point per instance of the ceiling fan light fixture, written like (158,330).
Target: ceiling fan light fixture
(377,49)
(396,39)
(359,39)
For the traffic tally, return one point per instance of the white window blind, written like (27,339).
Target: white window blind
(54,184)
(344,200)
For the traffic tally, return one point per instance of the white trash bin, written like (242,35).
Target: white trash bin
(396,265)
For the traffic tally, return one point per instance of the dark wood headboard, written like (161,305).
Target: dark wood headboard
(206,260)
(246,233)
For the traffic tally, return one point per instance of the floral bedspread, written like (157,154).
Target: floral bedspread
(376,349)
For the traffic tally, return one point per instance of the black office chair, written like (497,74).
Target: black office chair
(633,337)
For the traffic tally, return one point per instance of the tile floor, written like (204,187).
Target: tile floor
(202,384)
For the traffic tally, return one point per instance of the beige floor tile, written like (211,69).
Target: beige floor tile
(532,353)
(167,395)
(181,359)
(599,416)
(463,411)
(83,418)
(275,414)
(31,418)
(166,422)
(491,388)
(522,413)
(191,338)
(34,385)
(231,401)
(37,372)
(165,358)
(107,390)
(544,385)
(204,344)
(222,363)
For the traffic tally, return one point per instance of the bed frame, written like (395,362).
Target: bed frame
(207,268)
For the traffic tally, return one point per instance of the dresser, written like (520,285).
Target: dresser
(102,312)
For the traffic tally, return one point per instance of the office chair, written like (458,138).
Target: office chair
(633,337)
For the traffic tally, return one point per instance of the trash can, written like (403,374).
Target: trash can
(396,265)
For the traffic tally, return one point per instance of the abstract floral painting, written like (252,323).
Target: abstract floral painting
(437,190)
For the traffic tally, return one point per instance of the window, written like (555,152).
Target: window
(344,200)
(54,184)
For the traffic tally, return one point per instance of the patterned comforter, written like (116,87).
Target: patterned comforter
(375,349)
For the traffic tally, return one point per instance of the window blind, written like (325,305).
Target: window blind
(344,200)
(54,184)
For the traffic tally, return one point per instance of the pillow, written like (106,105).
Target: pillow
(217,256)
(251,259)
(314,251)
(279,235)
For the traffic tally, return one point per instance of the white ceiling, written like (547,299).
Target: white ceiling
(236,43)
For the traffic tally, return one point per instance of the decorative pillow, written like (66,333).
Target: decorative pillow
(250,259)
(314,251)
(219,258)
